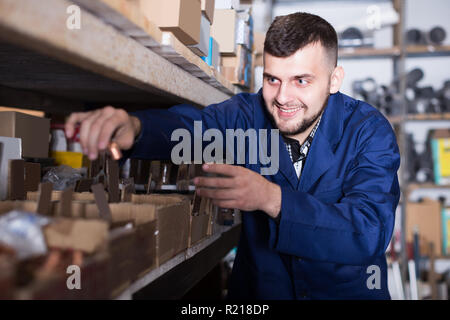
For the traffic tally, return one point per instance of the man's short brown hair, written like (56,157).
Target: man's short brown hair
(292,32)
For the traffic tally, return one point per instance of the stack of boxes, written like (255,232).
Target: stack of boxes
(22,136)
(233,29)
(219,31)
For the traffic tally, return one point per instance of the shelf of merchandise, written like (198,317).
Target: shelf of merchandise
(176,276)
(117,58)
(43,61)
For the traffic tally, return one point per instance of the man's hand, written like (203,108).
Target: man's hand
(242,189)
(100,127)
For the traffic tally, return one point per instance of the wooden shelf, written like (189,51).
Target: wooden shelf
(395,119)
(175,277)
(425,51)
(429,116)
(419,117)
(414,186)
(97,64)
(411,51)
(355,53)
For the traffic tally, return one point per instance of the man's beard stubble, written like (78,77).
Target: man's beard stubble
(302,126)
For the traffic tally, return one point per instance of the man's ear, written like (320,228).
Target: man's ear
(336,79)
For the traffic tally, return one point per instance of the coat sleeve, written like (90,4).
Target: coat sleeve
(357,229)
(157,125)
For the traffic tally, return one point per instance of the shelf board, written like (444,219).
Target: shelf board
(414,186)
(425,51)
(97,63)
(411,51)
(419,117)
(355,53)
(429,116)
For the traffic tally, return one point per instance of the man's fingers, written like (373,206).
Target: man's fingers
(108,130)
(225,169)
(85,130)
(96,128)
(214,182)
(73,120)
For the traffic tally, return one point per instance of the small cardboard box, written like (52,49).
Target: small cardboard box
(34,132)
(208,9)
(445,231)
(202,48)
(78,234)
(224,30)
(56,195)
(426,217)
(440,145)
(94,280)
(10,149)
(172,214)
(235,69)
(199,228)
(7,272)
(258,44)
(122,247)
(181,17)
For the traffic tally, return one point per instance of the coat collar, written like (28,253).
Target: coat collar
(321,154)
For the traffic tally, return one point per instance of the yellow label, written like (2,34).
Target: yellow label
(444,156)
(71,159)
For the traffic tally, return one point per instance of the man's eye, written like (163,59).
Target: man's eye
(272,80)
(302,81)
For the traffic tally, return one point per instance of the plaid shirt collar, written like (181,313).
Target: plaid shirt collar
(304,148)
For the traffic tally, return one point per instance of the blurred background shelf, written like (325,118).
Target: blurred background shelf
(428,51)
(363,53)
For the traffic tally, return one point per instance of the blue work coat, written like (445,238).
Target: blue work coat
(336,220)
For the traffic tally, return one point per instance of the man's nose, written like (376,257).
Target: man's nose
(283,96)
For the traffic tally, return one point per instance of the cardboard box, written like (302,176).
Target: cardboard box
(258,44)
(34,132)
(10,149)
(173,222)
(181,17)
(238,69)
(199,228)
(426,217)
(78,234)
(122,248)
(7,272)
(7,206)
(56,196)
(445,221)
(440,145)
(208,9)
(224,30)
(202,48)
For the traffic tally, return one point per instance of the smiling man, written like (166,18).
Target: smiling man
(319,227)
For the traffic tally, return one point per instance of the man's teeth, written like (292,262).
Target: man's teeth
(290,110)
